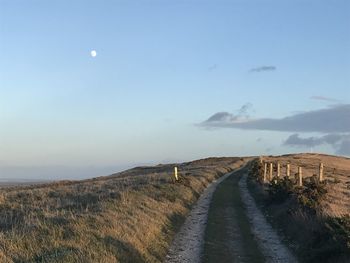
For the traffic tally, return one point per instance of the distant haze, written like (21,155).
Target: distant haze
(54,173)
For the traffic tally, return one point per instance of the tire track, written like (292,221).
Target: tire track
(268,240)
(188,243)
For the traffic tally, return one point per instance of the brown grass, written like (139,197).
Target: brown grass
(127,217)
(315,218)
(336,172)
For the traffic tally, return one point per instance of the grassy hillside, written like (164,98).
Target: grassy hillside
(131,216)
(314,218)
(336,171)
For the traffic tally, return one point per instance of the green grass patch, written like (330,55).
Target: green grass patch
(218,242)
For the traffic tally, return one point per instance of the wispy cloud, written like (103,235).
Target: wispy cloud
(213,67)
(340,142)
(344,148)
(335,119)
(322,98)
(263,68)
(224,117)
(269,149)
(333,122)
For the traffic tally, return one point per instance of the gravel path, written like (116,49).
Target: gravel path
(268,240)
(188,243)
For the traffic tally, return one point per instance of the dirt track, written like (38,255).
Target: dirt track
(227,226)
(188,243)
(268,240)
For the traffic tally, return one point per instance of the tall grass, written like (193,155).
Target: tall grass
(127,217)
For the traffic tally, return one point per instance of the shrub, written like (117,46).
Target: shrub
(280,189)
(311,194)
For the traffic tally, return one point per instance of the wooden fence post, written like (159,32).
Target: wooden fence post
(320,177)
(175,173)
(278,169)
(271,171)
(288,170)
(300,176)
(265,173)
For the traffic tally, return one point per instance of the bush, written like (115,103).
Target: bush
(340,227)
(311,195)
(280,189)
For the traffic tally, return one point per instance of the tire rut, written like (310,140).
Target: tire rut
(268,240)
(236,231)
(188,243)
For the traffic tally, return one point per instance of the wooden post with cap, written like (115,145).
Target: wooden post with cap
(300,176)
(271,171)
(320,177)
(288,170)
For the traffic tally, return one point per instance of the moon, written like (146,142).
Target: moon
(93,53)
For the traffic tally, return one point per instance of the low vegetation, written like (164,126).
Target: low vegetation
(127,217)
(303,215)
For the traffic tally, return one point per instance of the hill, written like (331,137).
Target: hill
(130,216)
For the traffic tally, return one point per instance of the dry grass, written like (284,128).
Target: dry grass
(127,217)
(336,171)
(315,218)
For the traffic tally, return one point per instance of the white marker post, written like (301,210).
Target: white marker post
(320,178)
(175,174)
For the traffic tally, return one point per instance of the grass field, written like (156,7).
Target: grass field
(131,216)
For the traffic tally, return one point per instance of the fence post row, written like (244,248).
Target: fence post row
(268,172)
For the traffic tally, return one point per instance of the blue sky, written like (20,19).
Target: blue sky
(162,68)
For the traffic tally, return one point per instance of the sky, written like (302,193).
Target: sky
(172,81)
